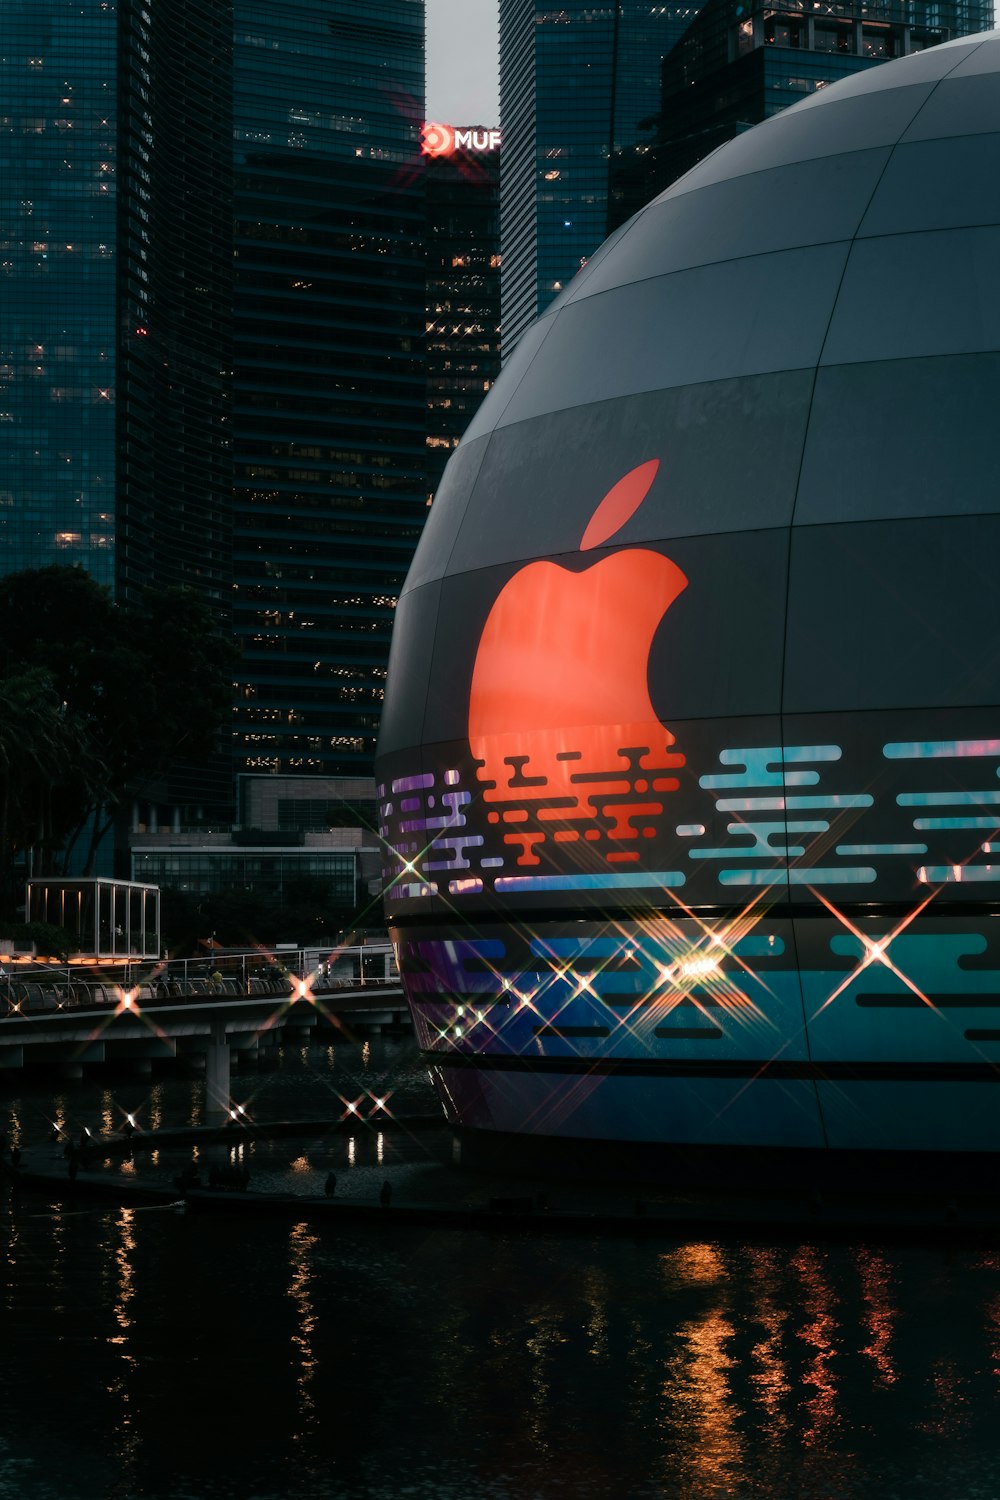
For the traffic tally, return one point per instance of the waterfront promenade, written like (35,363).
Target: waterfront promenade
(432,1188)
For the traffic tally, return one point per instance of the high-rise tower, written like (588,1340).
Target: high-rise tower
(115,270)
(578,82)
(463,284)
(330,409)
(735,68)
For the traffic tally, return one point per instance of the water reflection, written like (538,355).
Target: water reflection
(449,1365)
(699,1414)
(555,1368)
(302,1243)
(127,1440)
(879,1314)
(769,1377)
(819,1336)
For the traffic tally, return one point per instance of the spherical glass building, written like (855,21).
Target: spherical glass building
(690,760)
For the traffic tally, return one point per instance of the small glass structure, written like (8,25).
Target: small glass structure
(110,919)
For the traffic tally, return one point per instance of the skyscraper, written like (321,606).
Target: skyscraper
(115,298)
(578,82)
(463,286)
(115,267)
(733,69)
(329,427)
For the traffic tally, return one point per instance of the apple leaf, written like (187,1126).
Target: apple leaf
(622,501)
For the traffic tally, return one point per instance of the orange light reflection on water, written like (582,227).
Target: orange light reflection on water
(125,1436)
(699,1415)
(769,1377)
(879,1315)
(818,1334)
(301,1246)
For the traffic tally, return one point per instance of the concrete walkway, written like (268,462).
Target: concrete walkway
(435,1193)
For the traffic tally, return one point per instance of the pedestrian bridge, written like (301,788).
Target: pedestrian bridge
(70,1018)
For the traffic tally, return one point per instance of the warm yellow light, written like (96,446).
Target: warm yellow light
(697,968)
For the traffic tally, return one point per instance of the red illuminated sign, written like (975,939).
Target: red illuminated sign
(443,140)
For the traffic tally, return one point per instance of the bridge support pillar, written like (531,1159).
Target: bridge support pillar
(217,1076)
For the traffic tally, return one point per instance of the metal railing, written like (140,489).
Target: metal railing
(30,989)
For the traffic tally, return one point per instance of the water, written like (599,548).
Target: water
(144,1353)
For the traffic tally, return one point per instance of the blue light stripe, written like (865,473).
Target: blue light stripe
(957,874)
(751,804)
(637,881)
(752,851)
(793,753)
(939,749)
(847,799)
(856,875)
(946,799)
(764,766)
(923,824)
(856,849)
(794,803)
(758,947)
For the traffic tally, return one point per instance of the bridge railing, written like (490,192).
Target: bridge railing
(32,989)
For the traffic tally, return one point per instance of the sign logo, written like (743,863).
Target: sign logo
(438,140)
(443,140)
(560,717)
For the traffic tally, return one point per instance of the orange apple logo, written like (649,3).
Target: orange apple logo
(570,749)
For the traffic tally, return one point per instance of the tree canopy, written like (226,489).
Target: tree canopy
(98,701)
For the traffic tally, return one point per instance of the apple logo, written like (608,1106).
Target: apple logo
(570,749)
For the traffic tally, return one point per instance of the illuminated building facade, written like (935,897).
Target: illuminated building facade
(690,753)
(115,295)
(115,275)
(578,83)
(733,69)
(330,398)
(290,830)
(463,288)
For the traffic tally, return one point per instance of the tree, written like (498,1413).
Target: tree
(47,767)
(99,701)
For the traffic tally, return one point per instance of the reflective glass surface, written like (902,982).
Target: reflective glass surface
(330,407)
(578,82)
(58,266)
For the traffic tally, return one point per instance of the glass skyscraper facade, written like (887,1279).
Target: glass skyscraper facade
(58,285)
(579,82)
(330,397)
(114,290)
(734,69)
(463,295)
(115,306)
